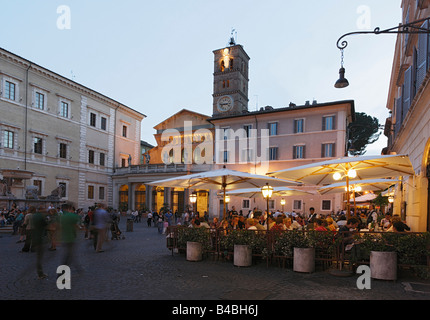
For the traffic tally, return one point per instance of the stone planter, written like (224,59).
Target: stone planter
(194,251)
(242,256)
(383,265)
(304,260)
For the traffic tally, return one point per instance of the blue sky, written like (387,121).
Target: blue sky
(156,56)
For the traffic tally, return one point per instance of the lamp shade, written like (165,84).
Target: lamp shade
(193,198)
(267,191)
(341,82)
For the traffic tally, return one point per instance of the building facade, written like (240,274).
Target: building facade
(257,142)
(408,128)
(62,132)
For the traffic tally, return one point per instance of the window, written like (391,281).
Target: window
(63,151)
(297,205)
(327,150)
(273,129)
(103,123)
(93,119)
(299,125)
(299,152)
(326,205)
(247,155)
(91,156)
(328,123)
(64,109)
(247,129)
(90,192)
(102,159)
(225,158)
(124,131)
(8,139)
(245,204)
(40,101)
(123,162)
(273,153)
(226,132)
(38,145)
(10,89)
(101,193)
(271,204)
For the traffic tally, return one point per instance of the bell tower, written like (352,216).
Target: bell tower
(230,93)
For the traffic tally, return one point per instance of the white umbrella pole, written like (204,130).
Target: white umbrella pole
(223,202)
(348,206)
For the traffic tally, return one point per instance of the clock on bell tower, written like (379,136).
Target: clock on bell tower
(230,93)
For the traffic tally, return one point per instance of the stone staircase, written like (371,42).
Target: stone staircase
(6,229)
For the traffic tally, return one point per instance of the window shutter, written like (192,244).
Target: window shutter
(422,56)
(399,118)
(304,152)
(333,150)
(407,92)
(322,150)
(323,123)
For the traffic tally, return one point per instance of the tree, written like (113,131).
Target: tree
(362,132)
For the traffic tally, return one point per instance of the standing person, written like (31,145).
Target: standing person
(101,221)
(149,218)
(18,222)
(28,224)
(69,222)
(160,223)
(168,217)
(312,215)
(51,228)
(38,239)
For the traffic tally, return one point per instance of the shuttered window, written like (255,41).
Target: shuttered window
(422,59)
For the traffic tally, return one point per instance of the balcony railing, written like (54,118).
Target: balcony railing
(161,168)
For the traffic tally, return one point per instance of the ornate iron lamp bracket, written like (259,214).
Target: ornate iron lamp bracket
(412,27)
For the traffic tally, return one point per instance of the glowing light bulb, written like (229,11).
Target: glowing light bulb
(352,173)
(337,176)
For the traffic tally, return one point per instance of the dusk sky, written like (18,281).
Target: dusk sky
(156,56)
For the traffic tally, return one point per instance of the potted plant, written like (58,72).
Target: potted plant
(195,240)
(303,252)
(382,255)
(244,244)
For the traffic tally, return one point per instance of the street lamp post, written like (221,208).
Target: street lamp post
(193,200)
(282,204)
(267,194)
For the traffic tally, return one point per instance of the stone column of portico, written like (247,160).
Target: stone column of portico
(130,196)
(148,189)
(168,197)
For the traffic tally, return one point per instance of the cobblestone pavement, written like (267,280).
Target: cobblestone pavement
(141,267)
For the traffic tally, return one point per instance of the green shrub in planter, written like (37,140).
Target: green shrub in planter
(412,249)
(201,235)
(257,241)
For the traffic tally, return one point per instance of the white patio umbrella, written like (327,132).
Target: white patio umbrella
(223,179)
(365,185)
(277,191)
(360,167)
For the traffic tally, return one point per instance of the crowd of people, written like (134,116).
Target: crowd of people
(38,226)
(365,220)
(41,229)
